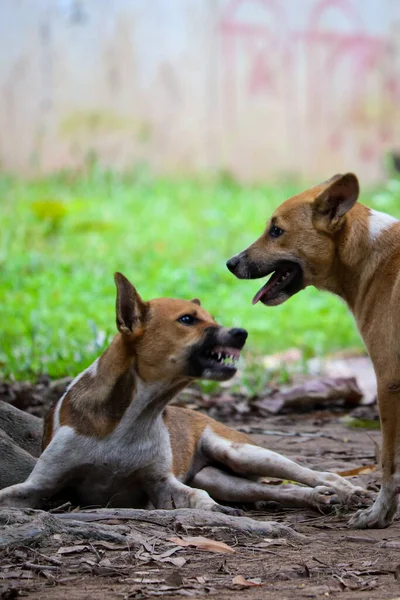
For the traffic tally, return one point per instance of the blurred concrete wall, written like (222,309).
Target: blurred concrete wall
(258,87)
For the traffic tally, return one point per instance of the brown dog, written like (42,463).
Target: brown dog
(323,238)
(111,439)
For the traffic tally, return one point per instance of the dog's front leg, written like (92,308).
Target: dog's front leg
(382,513)
(168,492)
(49,475)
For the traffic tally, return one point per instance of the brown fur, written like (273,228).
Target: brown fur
(328,234)
(185,428)
(48,427)
(95,405)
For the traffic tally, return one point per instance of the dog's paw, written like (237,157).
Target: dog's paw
(382,513)
(228,510)
(324,497)
(15,501)
(18,496)
(350,495)
(359,497)
(371,518)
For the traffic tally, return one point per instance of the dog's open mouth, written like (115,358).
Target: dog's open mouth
(219,362)
(285,281)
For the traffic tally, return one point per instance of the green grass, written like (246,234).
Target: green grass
(62,238)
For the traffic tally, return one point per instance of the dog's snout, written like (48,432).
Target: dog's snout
(239,335)
(232,263)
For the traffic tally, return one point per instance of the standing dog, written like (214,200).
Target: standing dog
(111,439)
(324,238)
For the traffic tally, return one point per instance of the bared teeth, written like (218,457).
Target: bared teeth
(227,359)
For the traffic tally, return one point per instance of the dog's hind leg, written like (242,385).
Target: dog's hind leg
(49,475)
(250,460)
(225,487)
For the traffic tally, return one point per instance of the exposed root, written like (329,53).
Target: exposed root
(27,526)
(185,518)
(34,527)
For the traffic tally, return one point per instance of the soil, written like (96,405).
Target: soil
(332,561)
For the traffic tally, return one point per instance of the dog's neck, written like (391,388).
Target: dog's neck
(366,240)
(111,391)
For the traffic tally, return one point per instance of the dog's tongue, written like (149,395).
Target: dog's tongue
(266,287)
(259,295)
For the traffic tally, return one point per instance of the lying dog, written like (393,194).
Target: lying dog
(112,440)
(323,238)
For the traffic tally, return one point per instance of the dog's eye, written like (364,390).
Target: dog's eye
(187,320)
(275,231)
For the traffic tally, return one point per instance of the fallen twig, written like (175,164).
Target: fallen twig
(36,567)
(259,430)
(360,539)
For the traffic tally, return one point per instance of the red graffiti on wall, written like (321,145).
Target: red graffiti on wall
(340,64)
(258,42)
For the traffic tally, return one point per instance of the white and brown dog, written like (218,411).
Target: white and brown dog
(323,237)
(112,440)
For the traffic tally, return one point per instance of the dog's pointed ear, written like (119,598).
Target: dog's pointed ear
(336,199)
(196,301)
(130,308)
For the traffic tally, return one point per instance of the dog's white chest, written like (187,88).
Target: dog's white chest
(115,470)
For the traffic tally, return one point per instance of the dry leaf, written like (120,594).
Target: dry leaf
(269,481)
(272,542)
(240,580)
(366,469)
(203,544)
(73,549)
(105,562)
(178,562)
(166,554)
(327,391)
(111,545)
(174,579)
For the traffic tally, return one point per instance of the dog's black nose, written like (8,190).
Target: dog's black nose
(232,263)
(239,334)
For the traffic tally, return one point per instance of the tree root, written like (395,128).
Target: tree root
(34,527)
(28,526)
(185,518)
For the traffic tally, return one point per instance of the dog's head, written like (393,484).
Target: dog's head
(299,243)
(174,339)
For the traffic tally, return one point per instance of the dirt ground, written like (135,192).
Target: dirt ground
(332,561)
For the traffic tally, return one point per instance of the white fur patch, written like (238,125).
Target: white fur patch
(92,371)
(378,222)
